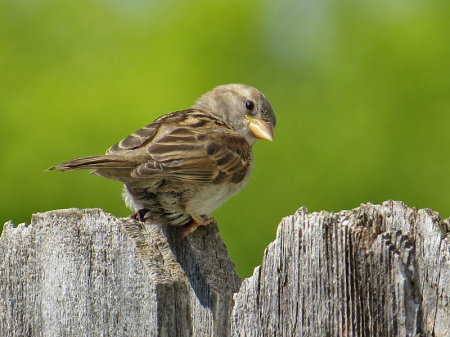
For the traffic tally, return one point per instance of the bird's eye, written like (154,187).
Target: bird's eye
(249,105)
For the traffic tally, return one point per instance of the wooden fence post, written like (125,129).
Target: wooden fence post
(378,270)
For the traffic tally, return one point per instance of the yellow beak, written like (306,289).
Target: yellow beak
(262,129)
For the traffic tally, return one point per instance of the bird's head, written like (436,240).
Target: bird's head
(244,108)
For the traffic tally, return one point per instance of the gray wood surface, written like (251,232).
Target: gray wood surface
(378,270)
(373,271)
(86,273)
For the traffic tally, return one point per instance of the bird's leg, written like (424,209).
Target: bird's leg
(139,215)
(202,220)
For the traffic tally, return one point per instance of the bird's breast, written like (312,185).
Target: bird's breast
(209,197)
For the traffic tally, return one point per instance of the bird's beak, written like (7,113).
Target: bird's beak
(261,128)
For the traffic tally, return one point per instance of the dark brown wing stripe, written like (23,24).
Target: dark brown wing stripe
(140,137)
(238,176)
(162,152)
(182,132)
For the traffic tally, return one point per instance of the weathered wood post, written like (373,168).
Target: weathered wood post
(378,270)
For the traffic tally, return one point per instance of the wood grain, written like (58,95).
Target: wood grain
(377,270)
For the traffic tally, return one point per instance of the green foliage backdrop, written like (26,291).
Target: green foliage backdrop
(361,91)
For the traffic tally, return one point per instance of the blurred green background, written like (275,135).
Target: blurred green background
(361,91)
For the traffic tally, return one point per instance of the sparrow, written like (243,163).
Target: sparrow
(185,164)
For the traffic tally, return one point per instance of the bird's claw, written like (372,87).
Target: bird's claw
(203,220)
(140,215)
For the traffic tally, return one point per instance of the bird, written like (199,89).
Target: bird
(185,164)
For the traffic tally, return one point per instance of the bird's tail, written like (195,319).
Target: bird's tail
(92,162)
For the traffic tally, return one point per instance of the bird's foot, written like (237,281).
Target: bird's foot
(140,215)
(202,220)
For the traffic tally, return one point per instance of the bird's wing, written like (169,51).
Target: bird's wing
(137,139)
(189,146)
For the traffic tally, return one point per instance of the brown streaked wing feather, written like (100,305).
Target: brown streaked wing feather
(188,153)
(143,136)
(136,139)
(232,155)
